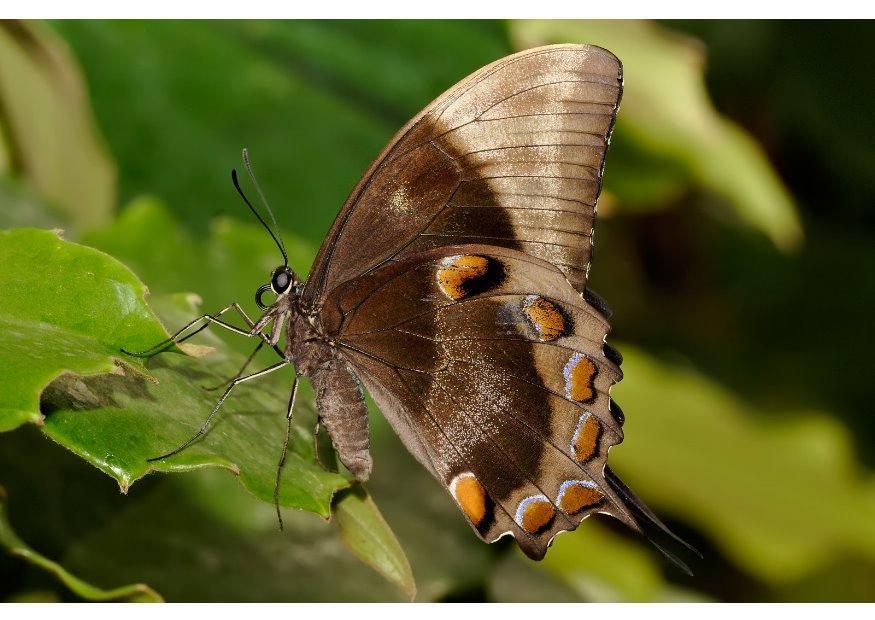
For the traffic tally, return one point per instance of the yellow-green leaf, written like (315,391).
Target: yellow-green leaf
(667,113)
(50,137)
(368,536)
(116,423)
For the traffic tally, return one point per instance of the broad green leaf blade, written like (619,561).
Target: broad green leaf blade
(118,422)
(64,308)
(666,112)
(49,131)
(780,497)
(590,564)
(368,536)
(136,593)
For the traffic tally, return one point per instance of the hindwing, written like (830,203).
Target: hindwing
(493,370)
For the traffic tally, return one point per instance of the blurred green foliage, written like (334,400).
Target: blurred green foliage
(319,98)
(137,593)
(781,496)
(746,388)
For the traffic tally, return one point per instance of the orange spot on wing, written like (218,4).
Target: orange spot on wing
(457,273)
(471,496)
(585,442)
(535,513)
(577,495)
(545,317)
(580,372)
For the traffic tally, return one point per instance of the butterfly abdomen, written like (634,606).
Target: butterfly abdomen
(342,410)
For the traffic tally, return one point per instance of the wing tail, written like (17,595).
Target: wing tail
(651,526)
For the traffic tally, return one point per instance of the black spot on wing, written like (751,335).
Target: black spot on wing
(493,278)
(617,413)
(612,354)
(597,302)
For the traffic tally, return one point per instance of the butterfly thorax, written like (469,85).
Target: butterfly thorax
(306,345)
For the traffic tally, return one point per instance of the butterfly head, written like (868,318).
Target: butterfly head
(284,282)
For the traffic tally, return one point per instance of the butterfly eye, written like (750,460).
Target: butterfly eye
(281,280)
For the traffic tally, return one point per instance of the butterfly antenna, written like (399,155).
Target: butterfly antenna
(276,240)
(248,163)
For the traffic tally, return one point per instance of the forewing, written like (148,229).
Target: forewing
(492,368)
(512,156)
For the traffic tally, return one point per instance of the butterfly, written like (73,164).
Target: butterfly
(452,286)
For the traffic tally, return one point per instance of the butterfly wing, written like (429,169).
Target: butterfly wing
(453,281)
(512,156)
(492,369)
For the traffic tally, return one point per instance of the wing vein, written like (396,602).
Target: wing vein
(502,448)
(467,465)
(544,84)
(521,422)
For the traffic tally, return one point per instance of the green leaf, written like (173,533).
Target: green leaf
(136,593)
(368,536)
(781,496)
(64,308)
(667,114)
(229,265)
(590,564)
(49,134)
(118,422)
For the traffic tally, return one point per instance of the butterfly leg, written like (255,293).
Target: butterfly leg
(239,372)
(206,424)
(209,319)
(282,461)
(257,332)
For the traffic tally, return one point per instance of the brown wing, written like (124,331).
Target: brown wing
(511,156)
(492,369)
